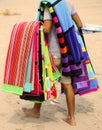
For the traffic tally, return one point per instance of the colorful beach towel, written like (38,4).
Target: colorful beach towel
(66,36)
(75,58)
(28,70)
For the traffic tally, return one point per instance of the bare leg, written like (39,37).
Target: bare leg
(70,99)
(34,112)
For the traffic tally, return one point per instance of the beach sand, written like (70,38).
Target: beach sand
(88,107)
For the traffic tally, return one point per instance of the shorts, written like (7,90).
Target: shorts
(64,79)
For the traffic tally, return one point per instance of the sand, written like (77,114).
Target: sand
(88,107)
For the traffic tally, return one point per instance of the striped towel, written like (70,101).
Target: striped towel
(17,56)
(48,73)
(29,72)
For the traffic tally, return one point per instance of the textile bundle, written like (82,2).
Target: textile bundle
(30,70)
(75,58)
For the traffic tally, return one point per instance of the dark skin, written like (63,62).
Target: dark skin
(77,20)
(47,26)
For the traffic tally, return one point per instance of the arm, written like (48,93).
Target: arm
(79,24)
(47,26)
(74,14)
(77,20)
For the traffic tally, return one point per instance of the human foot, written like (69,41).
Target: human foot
(70,121)
(31,112)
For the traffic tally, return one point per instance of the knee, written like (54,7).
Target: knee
(67,86)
